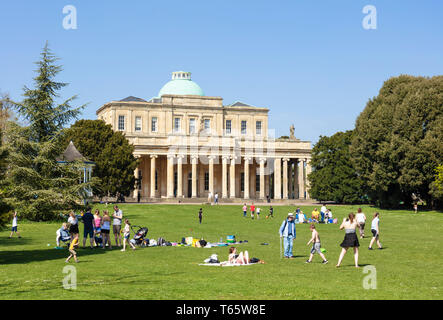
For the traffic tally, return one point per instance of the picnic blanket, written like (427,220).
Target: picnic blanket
(226,264)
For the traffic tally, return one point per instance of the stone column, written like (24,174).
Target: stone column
(232,177)
(277,178)
(135,193)
(246,178)
(180,176)
(170,177)
(262,178)
(285,178)
(291,187)
(301,180)
(153,157)
(308,171)
(225,177)
(194,159)
(211,175)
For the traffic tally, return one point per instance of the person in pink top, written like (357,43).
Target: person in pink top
(245,209)
(252,211)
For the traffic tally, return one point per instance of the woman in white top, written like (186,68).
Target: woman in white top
(361,220)
(73,224)
(375,229)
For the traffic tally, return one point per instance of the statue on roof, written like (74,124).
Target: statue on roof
(291,130)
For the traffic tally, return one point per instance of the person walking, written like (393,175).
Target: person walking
(375,229)
(88,222)
(245,210)
(287,232)
(350,240)
(361,221)
(216,198)
(14,225)
(126,234)
(117,225)
(200,215)
(316,245)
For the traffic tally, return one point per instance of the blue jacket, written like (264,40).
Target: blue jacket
(285,226)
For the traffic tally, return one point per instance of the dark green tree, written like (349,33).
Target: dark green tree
(398,140)
(333,177)
(111,152)
(4,208)
(39,108)
(36,185)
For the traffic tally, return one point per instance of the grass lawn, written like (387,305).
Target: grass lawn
(409,266)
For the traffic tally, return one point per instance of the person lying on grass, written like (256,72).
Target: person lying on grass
(242,258)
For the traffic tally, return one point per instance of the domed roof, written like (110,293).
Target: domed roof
(181,84)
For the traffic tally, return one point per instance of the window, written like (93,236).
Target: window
(154,124)
(243,127)
(176,124)
(228,126)
(242,182)
(257,183)
(207,125)
(258,128)
(121,123)
(138,123)
(206,181)
(191,126)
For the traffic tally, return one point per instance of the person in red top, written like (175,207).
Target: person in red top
(252,211)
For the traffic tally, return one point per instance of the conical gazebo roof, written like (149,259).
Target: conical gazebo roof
(72,154)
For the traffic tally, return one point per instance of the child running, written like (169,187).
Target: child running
(316,246)
(258,213)
(14,225)
(252,211)
(74,243)
(271,212)
(126,234)
(245,209)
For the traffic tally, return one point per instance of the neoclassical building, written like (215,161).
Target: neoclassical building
(190,146)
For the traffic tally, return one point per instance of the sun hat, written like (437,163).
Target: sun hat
(290,214)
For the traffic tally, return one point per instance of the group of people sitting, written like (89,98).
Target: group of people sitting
(324,216)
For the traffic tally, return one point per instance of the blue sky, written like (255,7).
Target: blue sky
(311,62)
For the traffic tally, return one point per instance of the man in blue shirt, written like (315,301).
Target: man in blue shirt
(87,219)
(287,232)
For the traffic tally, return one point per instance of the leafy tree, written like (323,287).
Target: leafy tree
(333,177)
(111,152)
(36,184)
(39,108)
(398,140)
(4,208)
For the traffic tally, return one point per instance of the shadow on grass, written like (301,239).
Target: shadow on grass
(28,256)
(14,241)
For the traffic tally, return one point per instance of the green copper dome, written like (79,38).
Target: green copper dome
(181,84)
